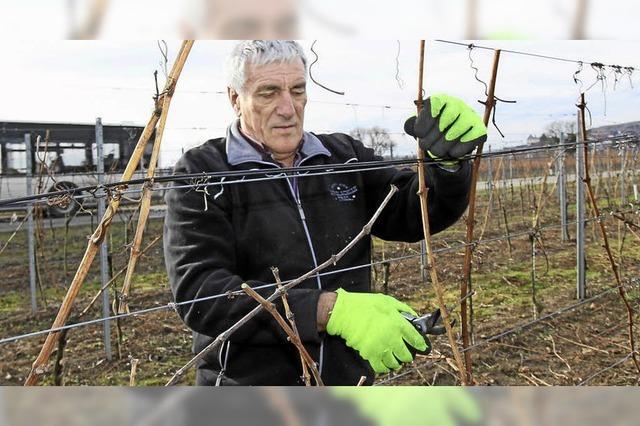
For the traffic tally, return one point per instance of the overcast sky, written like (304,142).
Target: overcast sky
(61,81)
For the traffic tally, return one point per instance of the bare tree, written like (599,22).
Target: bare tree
(568,127)
(375,138)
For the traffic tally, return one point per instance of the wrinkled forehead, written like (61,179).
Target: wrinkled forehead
(280,73)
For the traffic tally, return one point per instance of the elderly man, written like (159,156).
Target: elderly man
(235,232)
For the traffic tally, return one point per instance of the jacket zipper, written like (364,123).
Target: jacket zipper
(296,196)
(303,219)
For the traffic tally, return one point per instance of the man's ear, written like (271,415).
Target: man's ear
(234,98)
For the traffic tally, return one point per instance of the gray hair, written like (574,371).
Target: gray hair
(259,52)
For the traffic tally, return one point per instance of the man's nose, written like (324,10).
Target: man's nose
(286,107)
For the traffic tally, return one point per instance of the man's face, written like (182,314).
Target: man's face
(271,106)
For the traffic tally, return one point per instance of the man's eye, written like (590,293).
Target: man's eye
(267,95)
(300,91)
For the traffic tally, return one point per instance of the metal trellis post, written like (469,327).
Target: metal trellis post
(580,213)
(30,227)
(623,189)
(104,249)
(562,190)
(489,181)
(511,167)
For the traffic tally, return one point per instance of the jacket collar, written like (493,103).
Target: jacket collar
(239,150)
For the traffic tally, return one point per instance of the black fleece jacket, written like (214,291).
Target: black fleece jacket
(230,234)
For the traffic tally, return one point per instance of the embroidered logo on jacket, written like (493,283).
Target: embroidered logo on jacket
(342,192)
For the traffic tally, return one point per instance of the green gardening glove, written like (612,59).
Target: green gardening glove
(447,129)
(373,325)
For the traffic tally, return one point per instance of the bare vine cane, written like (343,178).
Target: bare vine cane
(39,365)
(634,233)
(492,179)
(465,286)
(502,206)
(64,333)
(292,322)
(430,264)
(224,336)
(605,239)
(145,200)
(535,237)
(134,371)
(6,243)
(41,258)
(116,276)
(145,203)
(629,224)
(293,337)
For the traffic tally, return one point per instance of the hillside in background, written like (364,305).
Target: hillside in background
(630,128)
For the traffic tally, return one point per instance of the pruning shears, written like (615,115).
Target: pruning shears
(429,324)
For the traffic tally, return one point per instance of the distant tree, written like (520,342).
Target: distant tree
(375,138)
(568,127)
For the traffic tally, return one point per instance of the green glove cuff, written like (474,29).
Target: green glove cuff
(448,164)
